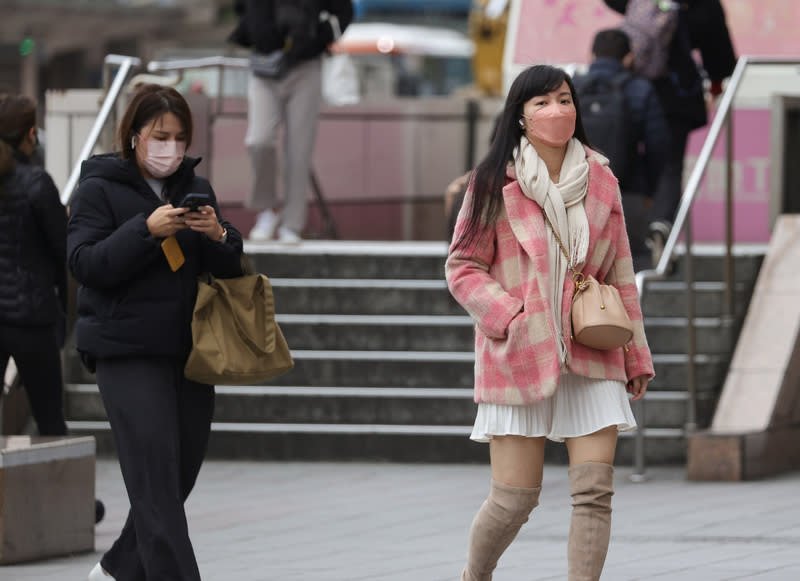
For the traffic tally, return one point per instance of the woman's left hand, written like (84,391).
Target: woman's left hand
(637,387)
(205,220)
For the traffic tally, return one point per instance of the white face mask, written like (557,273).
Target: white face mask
(163,157)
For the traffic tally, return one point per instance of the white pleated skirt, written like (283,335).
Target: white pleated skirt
(580,406)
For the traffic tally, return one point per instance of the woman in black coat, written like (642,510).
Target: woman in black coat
(33,272)
(137,253)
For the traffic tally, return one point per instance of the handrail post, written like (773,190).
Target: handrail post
(691,343)
(729,266)
(639,442)
(639,409)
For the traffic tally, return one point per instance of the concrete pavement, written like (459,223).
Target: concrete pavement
(264,521)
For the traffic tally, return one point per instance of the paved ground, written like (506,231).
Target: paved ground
(262,521)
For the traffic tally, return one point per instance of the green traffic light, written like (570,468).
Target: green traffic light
(26,47)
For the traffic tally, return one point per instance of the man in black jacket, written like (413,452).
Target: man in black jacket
(639,134)
(293,34)
(701,26)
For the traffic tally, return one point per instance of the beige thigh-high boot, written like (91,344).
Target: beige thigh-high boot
(591,485)
(495,526)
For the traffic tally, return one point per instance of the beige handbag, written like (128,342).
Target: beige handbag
(236,340)
(599,318)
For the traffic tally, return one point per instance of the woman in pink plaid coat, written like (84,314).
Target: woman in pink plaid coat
(507,268)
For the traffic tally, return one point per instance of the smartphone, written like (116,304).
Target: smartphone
(194,201)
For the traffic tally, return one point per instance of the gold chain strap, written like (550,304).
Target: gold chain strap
(577,277)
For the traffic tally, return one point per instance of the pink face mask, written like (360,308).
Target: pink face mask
(163,157)
(553,125)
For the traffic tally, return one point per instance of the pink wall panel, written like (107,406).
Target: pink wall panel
(751,181)
(561,31)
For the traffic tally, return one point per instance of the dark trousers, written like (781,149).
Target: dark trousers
(636,208)
(161,423)
(38,359)
(670,187)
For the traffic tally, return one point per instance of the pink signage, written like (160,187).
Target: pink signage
(561,31)
(751,181)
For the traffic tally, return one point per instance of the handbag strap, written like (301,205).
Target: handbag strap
(577,276)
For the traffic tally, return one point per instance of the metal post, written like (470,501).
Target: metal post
(691,379)
(639,440)
(329,227)
(730,275)
(220,87)
(472,122)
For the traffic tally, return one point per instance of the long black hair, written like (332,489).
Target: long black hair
(489,177)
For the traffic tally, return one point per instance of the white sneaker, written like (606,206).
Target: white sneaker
(99,574)
(266,224)
(288,236)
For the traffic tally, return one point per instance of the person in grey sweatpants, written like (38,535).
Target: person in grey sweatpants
(295,99)
(298,32)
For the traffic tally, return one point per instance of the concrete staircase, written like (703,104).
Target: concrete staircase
(383,360)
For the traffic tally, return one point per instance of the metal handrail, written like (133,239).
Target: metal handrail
(126,64)
(197,63)
(722,118)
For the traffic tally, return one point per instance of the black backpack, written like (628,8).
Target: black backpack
(607,121)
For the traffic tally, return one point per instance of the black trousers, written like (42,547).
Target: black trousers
(670,188)
(38,358)
(161,423)
(636,208)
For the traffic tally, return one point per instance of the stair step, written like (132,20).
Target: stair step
(453,369)
(349,259)
(318,405)
(379,332)
(712,335)
(364,297)
(668,298)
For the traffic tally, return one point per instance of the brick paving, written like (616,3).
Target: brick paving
(359,521)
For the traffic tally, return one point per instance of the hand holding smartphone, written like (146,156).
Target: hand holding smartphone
(193,201)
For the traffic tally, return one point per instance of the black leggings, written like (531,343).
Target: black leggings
(38,359)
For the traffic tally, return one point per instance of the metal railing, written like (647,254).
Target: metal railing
(723,119)
(126,64)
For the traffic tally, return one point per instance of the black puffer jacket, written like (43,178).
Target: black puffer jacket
(259,27)
(33,238)
(130,303)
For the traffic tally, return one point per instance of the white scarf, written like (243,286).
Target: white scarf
(563,204)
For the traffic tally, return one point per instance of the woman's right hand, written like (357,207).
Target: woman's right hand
(165,221)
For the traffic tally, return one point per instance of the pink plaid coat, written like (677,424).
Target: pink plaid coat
(502,282)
